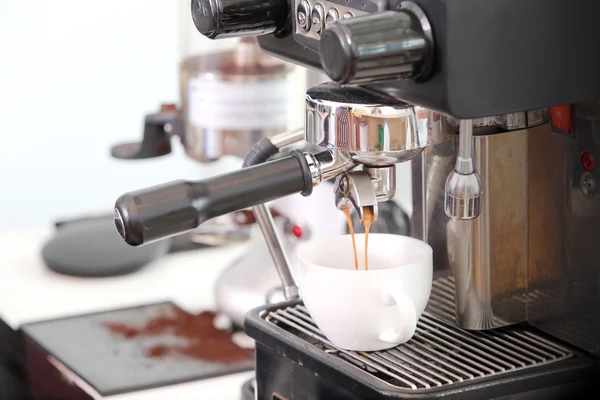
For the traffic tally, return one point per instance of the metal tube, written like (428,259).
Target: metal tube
(323,165)
(329,166)
(282,265)
(269,230)
(285,139)
(463,186)
(464,159)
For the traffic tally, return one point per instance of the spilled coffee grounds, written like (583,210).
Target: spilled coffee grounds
(203,341)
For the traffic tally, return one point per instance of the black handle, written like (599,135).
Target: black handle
(162,211)
(156,141)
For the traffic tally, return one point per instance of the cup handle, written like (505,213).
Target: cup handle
(408,316)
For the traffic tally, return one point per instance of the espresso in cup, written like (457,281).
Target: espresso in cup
(366,310)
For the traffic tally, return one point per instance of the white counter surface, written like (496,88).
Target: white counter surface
(30,292)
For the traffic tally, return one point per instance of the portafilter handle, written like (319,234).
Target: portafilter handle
(173,208)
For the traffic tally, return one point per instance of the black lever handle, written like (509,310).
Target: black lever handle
(166,210)
(156,141)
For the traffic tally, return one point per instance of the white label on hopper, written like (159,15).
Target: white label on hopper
(215,104)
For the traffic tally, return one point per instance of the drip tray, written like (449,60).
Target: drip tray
(438,355)
(440,359)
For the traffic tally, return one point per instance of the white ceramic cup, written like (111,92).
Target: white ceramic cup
(366,310)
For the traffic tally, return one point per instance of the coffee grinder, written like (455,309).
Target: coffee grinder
(495,105)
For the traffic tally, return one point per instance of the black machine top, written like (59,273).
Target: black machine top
(464,58)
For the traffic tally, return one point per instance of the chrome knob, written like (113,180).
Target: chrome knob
(375,47)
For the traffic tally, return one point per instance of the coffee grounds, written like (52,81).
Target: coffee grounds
(203,341)
(123,330)
(157,351)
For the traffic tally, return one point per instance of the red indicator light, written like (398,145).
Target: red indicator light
(297,231)
(588,162)
(168,107)
(560,118)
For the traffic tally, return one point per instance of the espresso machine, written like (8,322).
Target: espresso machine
(496,106)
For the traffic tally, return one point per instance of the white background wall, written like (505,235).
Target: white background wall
(75,78)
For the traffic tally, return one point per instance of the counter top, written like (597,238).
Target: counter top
(30,292)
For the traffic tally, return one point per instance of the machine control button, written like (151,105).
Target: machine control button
(311,17)
(318,18)
(332,16)
(377,47)
(588,161)
(303,15)
(225,18)
(589,185)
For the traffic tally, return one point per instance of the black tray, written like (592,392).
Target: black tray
(113,365)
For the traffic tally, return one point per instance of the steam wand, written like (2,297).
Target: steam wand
(463,186)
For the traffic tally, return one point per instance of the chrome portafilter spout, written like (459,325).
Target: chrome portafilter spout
(463,186)
(355,190)
(366,188)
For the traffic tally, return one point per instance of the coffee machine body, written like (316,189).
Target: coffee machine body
(513,311)
(518,70)
(509,205)
(530,255)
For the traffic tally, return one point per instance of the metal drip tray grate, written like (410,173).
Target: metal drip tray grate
(438,355)
(441,303)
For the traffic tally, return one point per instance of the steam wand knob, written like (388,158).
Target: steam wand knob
(382,46)
(463,186)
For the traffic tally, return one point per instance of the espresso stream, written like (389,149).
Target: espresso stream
(368,217)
